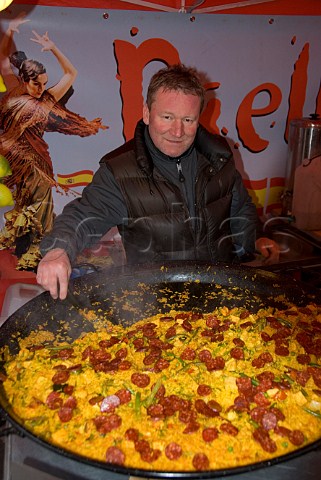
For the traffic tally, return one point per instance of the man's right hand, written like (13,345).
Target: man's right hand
(53,273)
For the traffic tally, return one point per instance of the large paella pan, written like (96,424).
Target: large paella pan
(226,352)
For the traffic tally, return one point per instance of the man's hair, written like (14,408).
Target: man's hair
(178,78)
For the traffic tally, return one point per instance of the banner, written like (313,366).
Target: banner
(259,73)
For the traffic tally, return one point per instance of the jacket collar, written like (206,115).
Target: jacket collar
(214,147)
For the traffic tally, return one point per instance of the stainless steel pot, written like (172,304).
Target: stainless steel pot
(303,146)
(304,143)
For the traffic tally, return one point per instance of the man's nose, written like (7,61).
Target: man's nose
(177,128)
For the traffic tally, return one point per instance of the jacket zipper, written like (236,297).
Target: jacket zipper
(180,171)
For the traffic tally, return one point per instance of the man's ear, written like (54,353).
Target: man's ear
(145,114)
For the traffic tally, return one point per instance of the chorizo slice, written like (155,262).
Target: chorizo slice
(210,434)
(65,414)
(214,405)
(141,445)
(115,455)
(263,438)
(238,342)
(121,353)
(110,342)
(237,353)
(217,363)
(229,429)
(204,355)
(109,403)
(156,411)
(71,402)
(204,390)
(124,396)
(282,350)
(105,424)
(188,354)
(166,318)
(201,462)
(191,427)
(150,455)
(62,376)
(65,353)
(99,356)
(296,437)
(171,332)
(54,401)
(124,365)
(261,400)
(187,326)
(217,337)
(173,451)
(140,379)
(161,364)
(303,359)
(269,421)
(212,321)
(132,434)
(95,400)
(265,337)
(204,409)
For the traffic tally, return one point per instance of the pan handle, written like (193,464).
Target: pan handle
(10,430)
(6,431)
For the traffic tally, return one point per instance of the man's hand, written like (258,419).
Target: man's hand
(269,249)
(53,273)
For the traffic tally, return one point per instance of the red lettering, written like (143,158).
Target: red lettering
(318,102)
(131,61)
(247,134)
(212,109)
(299,81)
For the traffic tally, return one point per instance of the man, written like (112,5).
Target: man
(173,192)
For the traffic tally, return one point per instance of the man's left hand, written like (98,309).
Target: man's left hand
(269,249)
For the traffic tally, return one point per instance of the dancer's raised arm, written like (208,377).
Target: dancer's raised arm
(69,71)
(6,48)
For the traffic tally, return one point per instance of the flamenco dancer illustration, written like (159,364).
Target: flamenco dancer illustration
(27,111)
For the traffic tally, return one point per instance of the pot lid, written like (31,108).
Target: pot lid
(314,120)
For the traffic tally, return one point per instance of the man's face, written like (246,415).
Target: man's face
(172,121)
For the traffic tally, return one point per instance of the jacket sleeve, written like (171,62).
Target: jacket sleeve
(244,221)
(85,220)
